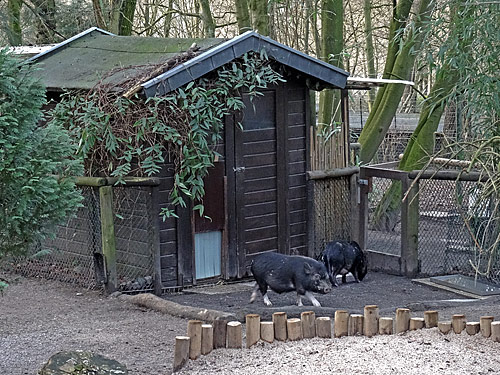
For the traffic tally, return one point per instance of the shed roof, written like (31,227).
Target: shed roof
(83,60)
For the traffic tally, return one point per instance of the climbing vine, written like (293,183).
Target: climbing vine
(120,136)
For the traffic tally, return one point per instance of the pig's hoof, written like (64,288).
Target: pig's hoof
(268,303)
(316,303)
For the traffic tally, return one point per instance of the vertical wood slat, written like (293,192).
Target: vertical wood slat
(281,123)
(108,237)
(409,228)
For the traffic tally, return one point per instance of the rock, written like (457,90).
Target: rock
(82,363)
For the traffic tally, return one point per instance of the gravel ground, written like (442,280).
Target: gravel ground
(424,352)
(39,318)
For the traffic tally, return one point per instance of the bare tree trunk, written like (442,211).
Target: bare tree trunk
(99,14)
(127,16)
(399,64)
(370,56)
(115,7)
(332,44)
(260,16)
(208,20)
(45,21)
(242,16)
(14,32)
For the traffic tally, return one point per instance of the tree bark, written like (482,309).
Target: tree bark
(127,16)
(14,32)
(369,50)
(332,44)
(45,21)
(208,20)
(260,16)
(242,16)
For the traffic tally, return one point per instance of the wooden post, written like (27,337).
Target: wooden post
(458,323)
(409,228)
(279,321)
(308,321)
(234,335)
(194,333)
(220,329)
(472,328)
(108,237)
(355,325)
(444,327)
(402,320)
(341,323)
(371,320)
(485,324)
(431,319)
(495,331)
(385,326)
(152,205)
(324,327)
(181,352)
(416,323)
(267,331)
(294,328)
(207,338)
(252,329)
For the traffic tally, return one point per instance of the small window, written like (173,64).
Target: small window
(260,112)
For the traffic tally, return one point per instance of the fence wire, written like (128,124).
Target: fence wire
(69,255)
(332,211)
(75,256)
(134,259)
(384,233)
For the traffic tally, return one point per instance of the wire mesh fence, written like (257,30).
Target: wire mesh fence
(69,255)
(332,211)
(453,235)
(75,255)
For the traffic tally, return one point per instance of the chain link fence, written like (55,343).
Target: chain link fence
(453,235)
(332,211)
(75,253)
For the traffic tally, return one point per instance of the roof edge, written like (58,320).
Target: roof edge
(236,47)
(67,41)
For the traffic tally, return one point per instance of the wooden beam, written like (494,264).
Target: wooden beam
(108,237)
(333,173)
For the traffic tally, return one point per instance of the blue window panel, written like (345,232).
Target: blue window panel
(208,246)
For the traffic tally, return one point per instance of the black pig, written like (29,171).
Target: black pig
(286,273)
(342,257)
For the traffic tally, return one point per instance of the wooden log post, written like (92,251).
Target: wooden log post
(308,321)
(431,318)
(234,335)
(279,321)
(371,320)
(472,328)
(324,327)
(294,328)
(458,323)
(220,332)
(444,327)
(108,238)
(416,323)
(385,326)
(495,331)
(181,352)
(207,338)
(194,333)
(402,320)
(252,329)
(485,325)
(267,331)
(341,323)
(355,325)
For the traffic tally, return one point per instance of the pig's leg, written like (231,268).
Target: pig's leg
(254,292)
(266,300)
(311,298)
(299,300)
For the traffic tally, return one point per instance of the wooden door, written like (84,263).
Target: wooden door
(260,179)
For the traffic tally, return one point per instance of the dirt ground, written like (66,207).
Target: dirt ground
(39,318)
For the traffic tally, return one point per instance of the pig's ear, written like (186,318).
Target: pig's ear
(307,268)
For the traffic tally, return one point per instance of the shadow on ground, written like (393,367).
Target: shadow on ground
(387,291)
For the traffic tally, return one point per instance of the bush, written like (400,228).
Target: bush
(32,199)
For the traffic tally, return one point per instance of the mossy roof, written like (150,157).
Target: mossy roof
(83,60)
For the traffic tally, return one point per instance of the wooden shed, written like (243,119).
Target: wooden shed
(257,193)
